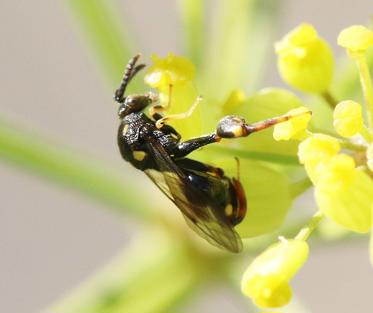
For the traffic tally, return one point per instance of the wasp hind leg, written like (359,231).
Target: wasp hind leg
(233,126)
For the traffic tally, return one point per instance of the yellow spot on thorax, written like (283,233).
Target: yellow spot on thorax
(125,129)
(139,155)
(228,210)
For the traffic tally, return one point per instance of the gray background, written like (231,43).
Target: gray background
(51,238)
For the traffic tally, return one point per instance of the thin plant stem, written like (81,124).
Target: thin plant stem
(256,155)
(366,134)
(306,231)
(94,178)
(366,84)
(329,99)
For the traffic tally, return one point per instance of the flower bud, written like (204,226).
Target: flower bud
(295,127)
(305,61)
(345,194)
(315,151)
(266,280)
(348,118)
(356,38)
(172,70)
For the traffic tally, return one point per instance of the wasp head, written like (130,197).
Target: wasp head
(135,103)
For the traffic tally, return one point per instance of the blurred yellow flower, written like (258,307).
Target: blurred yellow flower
(315,151)
(356,38)
(305,61)
(172,70)
(348,118)
(266,280)
(295,128)
(345,194)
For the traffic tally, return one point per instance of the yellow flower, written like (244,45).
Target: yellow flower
(295,127)
(266,280)
(305,61)
(172,70)
(348,119)
(356,38)
(345,194)
(315,151)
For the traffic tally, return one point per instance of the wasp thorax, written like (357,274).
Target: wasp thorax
(232,126)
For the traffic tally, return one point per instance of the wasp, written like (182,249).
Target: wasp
(211,202)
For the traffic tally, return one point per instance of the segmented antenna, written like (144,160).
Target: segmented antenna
(130,72)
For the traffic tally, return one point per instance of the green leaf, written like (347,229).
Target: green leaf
(267,193)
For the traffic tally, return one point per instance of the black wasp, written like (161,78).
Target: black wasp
(211,202)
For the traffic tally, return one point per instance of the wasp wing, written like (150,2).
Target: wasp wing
(197,206)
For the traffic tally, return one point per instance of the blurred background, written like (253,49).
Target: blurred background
(51,238)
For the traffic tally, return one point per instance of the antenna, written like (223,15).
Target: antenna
(130,71)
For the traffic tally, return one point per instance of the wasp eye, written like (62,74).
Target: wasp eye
(129,100)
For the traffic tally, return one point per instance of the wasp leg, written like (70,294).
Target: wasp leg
(158,108)
(233,126)
(186,147)
(179,116)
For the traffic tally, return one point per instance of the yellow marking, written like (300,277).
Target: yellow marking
(179,116)
(125,128)
(228,210)
(139,155)
(238,131)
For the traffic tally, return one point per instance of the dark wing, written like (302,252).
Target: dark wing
(201,214)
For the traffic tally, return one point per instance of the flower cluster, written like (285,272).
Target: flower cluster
(338,160)
(339,164)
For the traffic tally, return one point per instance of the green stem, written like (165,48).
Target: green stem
(98,180)
(350,145)
(366,133)
(299,187)
(306,231)
(329,99)
(366,84)
(255,155)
